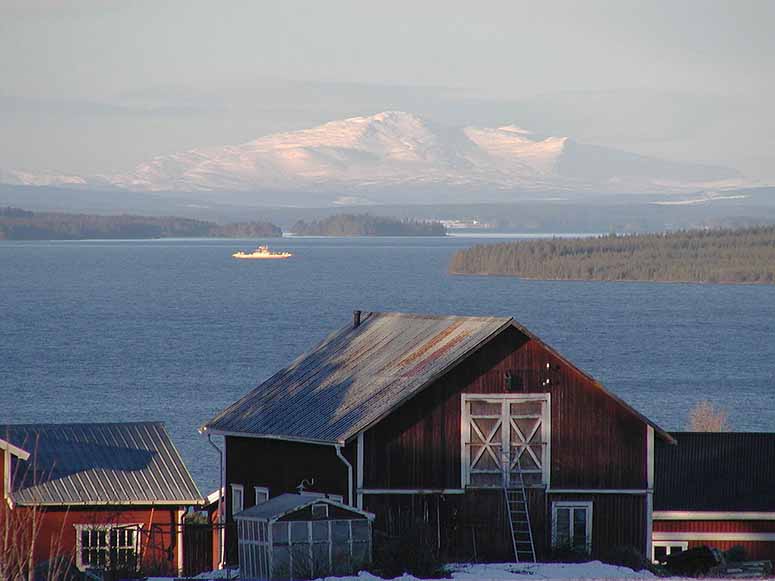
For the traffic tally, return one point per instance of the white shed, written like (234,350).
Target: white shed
(302,536)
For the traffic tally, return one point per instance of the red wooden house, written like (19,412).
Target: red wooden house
(472,425)
(715,489)
(104,495)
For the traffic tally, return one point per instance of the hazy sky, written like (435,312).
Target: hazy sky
(97,85)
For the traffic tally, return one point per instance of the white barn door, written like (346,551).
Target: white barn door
(504,435)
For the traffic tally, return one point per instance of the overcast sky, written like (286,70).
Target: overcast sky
(93,86)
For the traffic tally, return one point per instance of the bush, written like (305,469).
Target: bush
(415,552)
(626,556)
(735,554)
(568,554)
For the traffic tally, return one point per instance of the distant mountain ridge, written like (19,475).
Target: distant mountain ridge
(396,156)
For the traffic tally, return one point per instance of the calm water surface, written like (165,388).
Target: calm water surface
(175,330)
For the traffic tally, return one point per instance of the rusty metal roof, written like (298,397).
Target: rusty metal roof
(359,374)
(355,376)
(87,464)
(716,471)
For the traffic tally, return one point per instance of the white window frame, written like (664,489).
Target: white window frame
(234,489)
(81,527)
(318,506)
(465,430)
(667,544)
(573,505)
(260,490)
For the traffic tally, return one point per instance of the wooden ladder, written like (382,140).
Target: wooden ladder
(519,522)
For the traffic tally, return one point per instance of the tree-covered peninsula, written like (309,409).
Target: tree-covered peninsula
(18,224)
(713,256)
(367,225)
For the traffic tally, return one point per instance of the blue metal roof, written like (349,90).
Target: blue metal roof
(116,463)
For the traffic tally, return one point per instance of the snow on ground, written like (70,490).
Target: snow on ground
(518,572)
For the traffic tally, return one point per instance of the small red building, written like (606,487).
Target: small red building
(715,489)
(472,426)
(107,496)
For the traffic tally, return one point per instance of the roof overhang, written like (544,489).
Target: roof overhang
(115,503)
(215,432)
(14,450)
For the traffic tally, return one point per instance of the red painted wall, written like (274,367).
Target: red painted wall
(595,441)
(158,540)
(755,550)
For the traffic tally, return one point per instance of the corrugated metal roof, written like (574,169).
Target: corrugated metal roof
(712,471)
(117,463)
(355,376)
(279,506)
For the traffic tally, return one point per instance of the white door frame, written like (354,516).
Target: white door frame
(465,430)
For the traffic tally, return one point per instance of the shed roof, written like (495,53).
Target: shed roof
(279,506)
(85,464)
(720,471)
(359,374)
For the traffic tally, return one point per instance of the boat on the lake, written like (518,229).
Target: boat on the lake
(261,252)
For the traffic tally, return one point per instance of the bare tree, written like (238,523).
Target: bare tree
(705,417)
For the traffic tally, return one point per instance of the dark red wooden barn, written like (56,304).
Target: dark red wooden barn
(459,423)
(716,489)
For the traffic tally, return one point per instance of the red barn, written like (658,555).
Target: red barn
(106,496)
(472,426)
(716,489)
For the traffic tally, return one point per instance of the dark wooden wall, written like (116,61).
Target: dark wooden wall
(595,442)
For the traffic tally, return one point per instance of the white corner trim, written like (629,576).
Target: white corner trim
(711,515)
(650,487)
(179,540)
(359,470)
(680,536)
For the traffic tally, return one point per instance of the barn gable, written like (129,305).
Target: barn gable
(361,373)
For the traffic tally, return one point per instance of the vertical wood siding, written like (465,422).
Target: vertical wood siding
(595,443)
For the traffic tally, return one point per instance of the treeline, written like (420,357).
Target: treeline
(717,256)
(18,224)
(367,225)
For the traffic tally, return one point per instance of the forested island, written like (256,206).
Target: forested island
(367,225)
(18,224)
(714,256)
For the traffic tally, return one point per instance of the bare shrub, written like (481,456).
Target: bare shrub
(705,417)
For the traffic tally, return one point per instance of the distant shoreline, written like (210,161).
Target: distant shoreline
(624,280)
(720,256)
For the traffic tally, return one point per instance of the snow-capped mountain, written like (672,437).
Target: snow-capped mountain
(397,156)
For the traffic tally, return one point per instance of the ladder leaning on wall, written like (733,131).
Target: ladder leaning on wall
(519,520)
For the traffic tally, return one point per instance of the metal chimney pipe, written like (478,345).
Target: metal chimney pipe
(356,318)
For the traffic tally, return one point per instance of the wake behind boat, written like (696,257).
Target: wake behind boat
(260,253)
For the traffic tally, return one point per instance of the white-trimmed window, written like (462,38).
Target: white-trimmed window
(661,550)
(237,498)
(572,525)
(320,510)
(103,546)
(261,494)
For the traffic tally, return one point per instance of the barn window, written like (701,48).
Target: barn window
(261,494)
(319,511)
(661,550)
(505,440)
(237,498)
(103,546)
(572,525)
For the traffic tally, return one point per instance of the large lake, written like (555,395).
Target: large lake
(175,330)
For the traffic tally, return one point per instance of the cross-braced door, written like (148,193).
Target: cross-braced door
(504,438)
